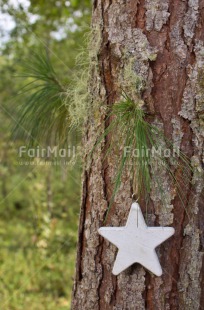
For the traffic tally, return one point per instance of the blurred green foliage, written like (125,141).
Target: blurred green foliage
(39,205)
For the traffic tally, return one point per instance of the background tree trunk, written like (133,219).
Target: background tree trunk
(164,41)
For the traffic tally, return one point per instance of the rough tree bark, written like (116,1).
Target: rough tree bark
(165,42)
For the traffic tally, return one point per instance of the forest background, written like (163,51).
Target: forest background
(39,202)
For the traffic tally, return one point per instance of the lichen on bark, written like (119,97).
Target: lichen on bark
(156,14)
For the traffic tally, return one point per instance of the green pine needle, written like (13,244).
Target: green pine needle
(43,115)
(133,132)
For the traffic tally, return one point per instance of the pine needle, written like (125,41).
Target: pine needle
(42,116)
(135,134)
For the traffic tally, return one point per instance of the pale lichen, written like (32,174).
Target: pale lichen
(193,99)
(136,47)
(177,134)
(162,191)
(134,286)
(190,20)
(177,43)
(80,95)
(156,14)
(190,272)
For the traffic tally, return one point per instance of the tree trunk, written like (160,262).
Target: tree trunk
(164,40)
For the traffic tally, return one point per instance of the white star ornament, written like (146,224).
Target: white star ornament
(136,242)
